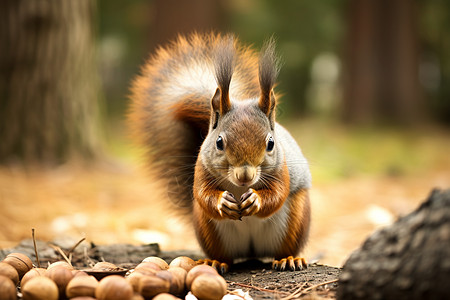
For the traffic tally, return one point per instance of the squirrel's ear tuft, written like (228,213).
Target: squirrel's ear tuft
(224,67)
(268,73)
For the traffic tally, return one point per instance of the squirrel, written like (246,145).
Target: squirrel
(204,109)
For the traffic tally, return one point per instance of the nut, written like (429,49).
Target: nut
(31,274)
(178,283)
(61,263)
(40,288)
(61,276)
(20,262)
(209,287)
(83,298)
(9,271)
(184,262)
(81,286)
(134,278)
(151,266)
(114,287)
(165,296)
(196,271)
(150,286)
(7,288)
(104,266)
(158,261)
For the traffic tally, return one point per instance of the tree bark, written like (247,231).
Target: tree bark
(173,17)
(408,260)
(381,63)
(48,81)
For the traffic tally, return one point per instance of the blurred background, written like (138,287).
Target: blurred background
(366,93)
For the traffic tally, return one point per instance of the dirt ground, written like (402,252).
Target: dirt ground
(254,277)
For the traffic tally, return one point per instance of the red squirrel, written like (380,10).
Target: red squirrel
(204,110)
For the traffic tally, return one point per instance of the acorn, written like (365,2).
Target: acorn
(81,286)
(209,287)
(184,262)
(40,288)
(150,286)
(178,283)
(114,287)
(196,271)
(61,276)
(20,262)
(9,271)
(31,274)
(162,264)
(7,288)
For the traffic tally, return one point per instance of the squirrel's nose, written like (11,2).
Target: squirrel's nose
(244,175)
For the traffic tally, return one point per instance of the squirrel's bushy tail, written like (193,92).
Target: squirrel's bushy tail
(171,104)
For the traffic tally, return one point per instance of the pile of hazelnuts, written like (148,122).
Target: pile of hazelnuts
(153,278)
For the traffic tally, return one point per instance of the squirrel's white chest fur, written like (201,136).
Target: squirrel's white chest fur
(253,236)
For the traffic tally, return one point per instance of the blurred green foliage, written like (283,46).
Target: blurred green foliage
(305,30)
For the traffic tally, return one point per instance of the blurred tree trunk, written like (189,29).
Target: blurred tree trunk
(381,71)
(48,81)
(173,17)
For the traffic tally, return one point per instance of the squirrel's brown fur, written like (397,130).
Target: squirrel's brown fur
(204,109)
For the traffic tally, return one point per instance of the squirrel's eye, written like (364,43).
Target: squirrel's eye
(270,144)
(219,143)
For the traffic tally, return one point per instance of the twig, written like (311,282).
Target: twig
(35,248)
(59,250)
(298,293)
(75,246)
(256,288)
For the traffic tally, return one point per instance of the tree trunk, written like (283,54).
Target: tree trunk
(173,17)
(381,63)
(408,260)
(48,81)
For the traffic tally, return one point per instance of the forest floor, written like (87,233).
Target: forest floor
(363,179)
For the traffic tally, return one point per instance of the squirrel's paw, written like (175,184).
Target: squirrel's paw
(250,203)
(222,268)
(227,206)
(290,263)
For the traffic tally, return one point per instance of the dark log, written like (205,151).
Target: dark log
(407,260)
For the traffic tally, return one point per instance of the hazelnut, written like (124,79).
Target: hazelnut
(40,288)
(196,271)
(183,262)
(137,296)
(20,262)
(61,263)
(9,271)
(158,261)
(178,283)
(134,278)
(209,287)
(31,274)
(148,265)
(81,286)
(104,266)
(165,296)
(7,288)
(150,286)
(114,287)
(61,276)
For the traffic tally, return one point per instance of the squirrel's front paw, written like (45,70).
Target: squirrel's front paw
(227,206)
(250,203)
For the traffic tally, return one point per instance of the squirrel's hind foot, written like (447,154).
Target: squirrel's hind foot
(290,263)
(221,268)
